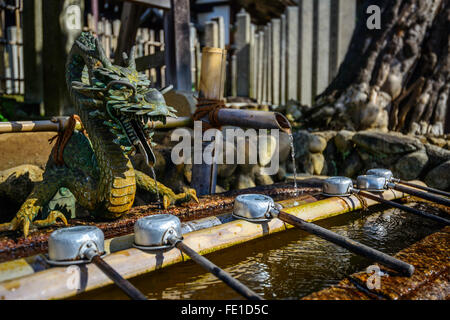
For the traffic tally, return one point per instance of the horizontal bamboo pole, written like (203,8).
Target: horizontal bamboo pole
(61,123)
(59,282)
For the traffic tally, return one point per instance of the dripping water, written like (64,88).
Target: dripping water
(158,200)
(291,141)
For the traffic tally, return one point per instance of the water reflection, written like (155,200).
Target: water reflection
(287,265)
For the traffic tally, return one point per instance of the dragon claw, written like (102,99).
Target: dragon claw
(24,222)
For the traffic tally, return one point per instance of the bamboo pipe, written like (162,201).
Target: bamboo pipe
(212,84)
(60,124)
(133,262)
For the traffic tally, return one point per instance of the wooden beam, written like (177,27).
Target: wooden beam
(130,18)
(32,49)
(155,60)
(177,32)
(159,4)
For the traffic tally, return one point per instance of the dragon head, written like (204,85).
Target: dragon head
(129,106)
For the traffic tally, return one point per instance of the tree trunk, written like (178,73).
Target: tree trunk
(394,78)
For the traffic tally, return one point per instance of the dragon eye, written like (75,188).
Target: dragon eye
(154,96)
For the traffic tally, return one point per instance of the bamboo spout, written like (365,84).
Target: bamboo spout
(254,119)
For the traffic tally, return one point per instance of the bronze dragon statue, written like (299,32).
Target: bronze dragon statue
(91,158)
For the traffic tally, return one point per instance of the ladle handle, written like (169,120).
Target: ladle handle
(354,246)
(218,272)
(123,284)
(420,194)
(405,208)
(436,191)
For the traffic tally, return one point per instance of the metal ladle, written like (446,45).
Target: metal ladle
(256,207)
(85,244)
(343,186)
(163,232)
(393,183)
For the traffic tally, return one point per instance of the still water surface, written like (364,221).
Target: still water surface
(286,265)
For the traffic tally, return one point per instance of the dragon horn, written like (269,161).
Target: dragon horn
(131,59)
(102,55)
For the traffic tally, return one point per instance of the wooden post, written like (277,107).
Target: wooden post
(253,62)
(2,54)
(275,42)
(13,53)
(265,64)
(62,22)
(192,45)
(211,34)
(130,18)
(305,41)
(178,62)
(220,32)
(260,44)
(283,60)
(292,45)
(212,84)
(32,48)
(269,63)
(321,48)
(243,62)
(343,19)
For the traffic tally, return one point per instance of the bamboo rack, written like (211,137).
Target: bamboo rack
(130,262)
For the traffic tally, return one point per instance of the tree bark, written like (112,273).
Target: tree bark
(394,78)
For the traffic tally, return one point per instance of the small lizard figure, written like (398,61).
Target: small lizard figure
(91,159)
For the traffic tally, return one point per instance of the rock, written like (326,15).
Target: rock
(436,155)
(284,147)
(245,181)
(386,143)
(301,143)
(293,111)
(262,179)
(219,189)
(16,183)
(267,146)
(229,152)
(281,174)
(317,162)
(327,135)
(308,166)
(439,177)
(343,141)
(411,165)
(352,165)
(440,142)
(182,101)
(323,114)
(316,144)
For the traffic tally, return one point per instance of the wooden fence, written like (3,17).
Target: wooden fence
(148,42)
(294,56)
(11,48)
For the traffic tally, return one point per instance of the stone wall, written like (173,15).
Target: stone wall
(350,153)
